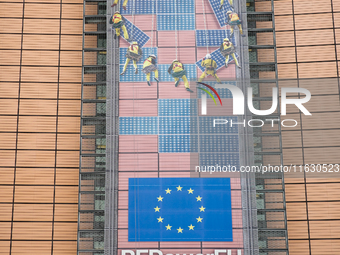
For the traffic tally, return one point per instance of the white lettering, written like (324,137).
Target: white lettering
(151,252)
(298,102)
(261,112)
(217,252)
(289,120)
(220,122)
(138,252)
(238,123)
(258,120)
(124,252)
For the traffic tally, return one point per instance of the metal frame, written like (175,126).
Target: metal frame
(103,234)
(92,152)
(266,233)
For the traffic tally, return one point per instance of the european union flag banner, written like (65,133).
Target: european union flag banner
(180,209)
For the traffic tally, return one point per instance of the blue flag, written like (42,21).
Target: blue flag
(180,209)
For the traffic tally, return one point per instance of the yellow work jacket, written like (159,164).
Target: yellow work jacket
(117,18)
(209,64)
(148,62)
(134,49)
(233,17)
(226,46)
(177,67)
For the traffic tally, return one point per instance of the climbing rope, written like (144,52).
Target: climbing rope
(152,25)
(225,21)
(133,20)
(205,28)
(176,36)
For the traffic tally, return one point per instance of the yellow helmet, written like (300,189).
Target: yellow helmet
(228,12)
(226,40)
(117,12)
(134,43)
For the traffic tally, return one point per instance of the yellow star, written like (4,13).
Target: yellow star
(168,227)
(199,198)
(199,219)
(190,191)
(191,227)
(157,209)
(179,188)
(202,209)
(168,191)
(180,230)
(160,219)
(160,199)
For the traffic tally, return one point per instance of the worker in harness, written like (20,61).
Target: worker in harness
(210,68)
(234,20)
(124,3)
(118,23)
(227,49)
(230,3)
(134,52)
(177,71)
(150,66)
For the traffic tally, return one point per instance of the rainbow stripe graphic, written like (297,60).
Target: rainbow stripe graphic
(208,92)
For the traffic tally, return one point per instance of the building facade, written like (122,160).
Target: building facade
(65,155)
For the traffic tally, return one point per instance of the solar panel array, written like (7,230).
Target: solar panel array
(177,107)
(135,34)
(178,126)
(171,22)
(212,37)
(139,7)
(220,14)
(177,143)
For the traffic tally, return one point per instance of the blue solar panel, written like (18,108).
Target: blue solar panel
(168,22)
(220,15)
(138,125)
(223,93)
(218,57)
(138,7)
(212,37)
(176,6)
(206,125)
(177,125)
(221,159)
(177,143)
(177,107)
(135,34)
(146,53)
(218,143)
(165,76)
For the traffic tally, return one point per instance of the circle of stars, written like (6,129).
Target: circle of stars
(190,191)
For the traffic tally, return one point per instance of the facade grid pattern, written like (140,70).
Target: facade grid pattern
(40,77)
(311,64)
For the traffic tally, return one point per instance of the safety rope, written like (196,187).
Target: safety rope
(133,21)
(225,20)
(205,28)
(152,24)
(176,36)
